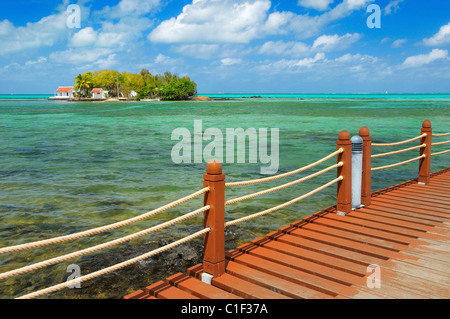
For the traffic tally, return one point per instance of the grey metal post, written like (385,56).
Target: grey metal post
(357,152)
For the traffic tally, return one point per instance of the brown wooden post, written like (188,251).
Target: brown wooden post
(424,163)
(344,187)
(366,184)
(214,241)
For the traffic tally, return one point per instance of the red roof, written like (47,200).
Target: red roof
(96,91)
(64,89)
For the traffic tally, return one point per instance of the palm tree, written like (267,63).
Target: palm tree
(84,83)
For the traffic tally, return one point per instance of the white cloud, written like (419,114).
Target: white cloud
(107,62)
(127,8)
(163,59)
(40,60)
(422,59)
(324,43)
(358,58)
(230,61)
(335,42)
(309,62)
(392,7)
(320,5)
(399,43)
(440,38)
(84,37)
(38,63)
(79,56)
(282,48)
(199,51)
(227,21)
(46,32)
(214,21)
(292,65)
(305,26)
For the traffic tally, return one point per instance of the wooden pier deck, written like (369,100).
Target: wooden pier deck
(398,247)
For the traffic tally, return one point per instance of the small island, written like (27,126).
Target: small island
(111,85)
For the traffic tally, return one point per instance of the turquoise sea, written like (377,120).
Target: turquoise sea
(67,167)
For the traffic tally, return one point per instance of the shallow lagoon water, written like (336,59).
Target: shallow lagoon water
(67,167)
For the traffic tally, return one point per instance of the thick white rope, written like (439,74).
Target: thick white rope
(399,151)
(273,189)
(440,143)
(267,211)
(439,153)
(90,232)
(398,164)
(52,261)
(399,143)
(272,178)
(107,270)
(439,135)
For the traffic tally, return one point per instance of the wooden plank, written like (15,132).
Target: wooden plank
(403,214)
(357,237)
(413,265)
(198,288)
(301,277)
(345,243)
(400,230)
(419,203)
(411,207)
(408,227)
(316,256)
(338,222)
(439,201)
(274,283)
(373,210)
(162,290)
(423,250)
(432,194)
(341,252)
(289,274)
(404,232)
(245,289)
(309,267)
(138,294)
(392,277)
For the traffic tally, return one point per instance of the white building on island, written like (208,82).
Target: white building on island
(98,93)
(64,93)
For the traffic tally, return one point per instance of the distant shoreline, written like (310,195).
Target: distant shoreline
(245,96)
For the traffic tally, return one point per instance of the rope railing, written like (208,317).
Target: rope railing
(52,261)
(115,267)
(273,189)
(204,209)
(214,187)
(267,211)
(399,143)
(440,143)
(440,135)
(275,177)
(98,230)
(440,153)
(398,164)
(399,151)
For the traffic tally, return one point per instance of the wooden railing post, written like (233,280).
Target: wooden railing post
(214,241)
(344,187)
(366,184)
(424,163)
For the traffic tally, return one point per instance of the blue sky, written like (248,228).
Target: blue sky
(244,46)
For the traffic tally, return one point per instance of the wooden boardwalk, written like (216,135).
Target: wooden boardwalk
(402,238)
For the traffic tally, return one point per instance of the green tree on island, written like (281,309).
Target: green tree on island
(179,89)
(165,86)
(84,83)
